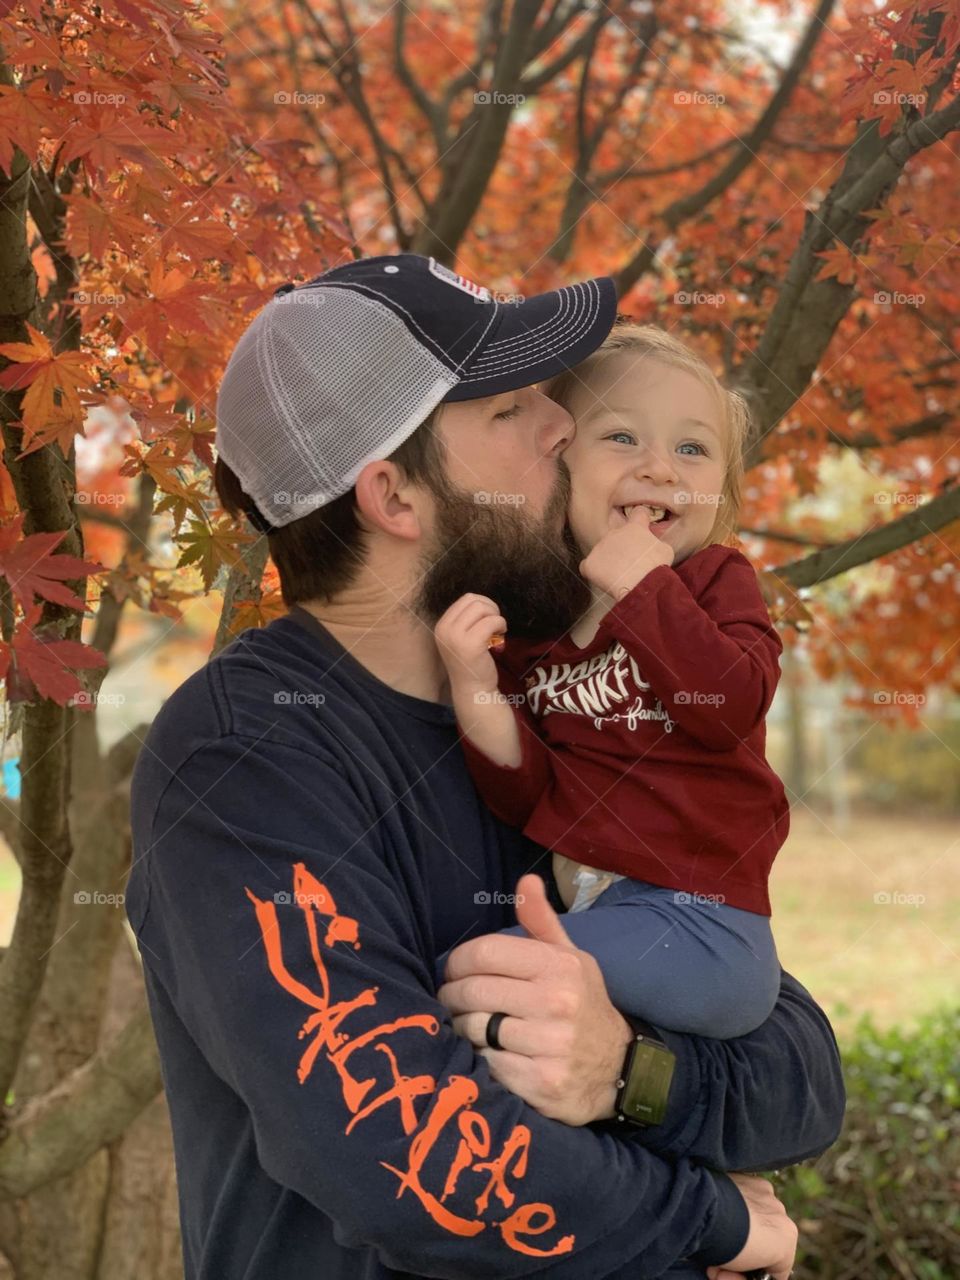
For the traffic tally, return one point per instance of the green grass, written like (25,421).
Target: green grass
(896,959)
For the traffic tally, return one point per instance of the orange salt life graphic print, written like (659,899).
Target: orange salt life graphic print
(495,1203)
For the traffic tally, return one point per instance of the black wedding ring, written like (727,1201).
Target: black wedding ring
(493,1027)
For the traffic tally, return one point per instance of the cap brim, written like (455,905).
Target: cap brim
(539,338)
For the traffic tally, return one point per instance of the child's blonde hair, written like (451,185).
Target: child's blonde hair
(651,340)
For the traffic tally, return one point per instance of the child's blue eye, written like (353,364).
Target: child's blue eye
(508,413)
(625,435)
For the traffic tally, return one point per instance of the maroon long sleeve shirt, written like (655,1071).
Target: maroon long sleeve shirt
(643,752)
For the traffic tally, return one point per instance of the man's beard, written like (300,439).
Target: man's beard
(529,569)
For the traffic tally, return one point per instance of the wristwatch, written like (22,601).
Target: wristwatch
(644,1083)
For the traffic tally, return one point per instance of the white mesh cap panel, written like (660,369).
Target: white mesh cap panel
(323,381)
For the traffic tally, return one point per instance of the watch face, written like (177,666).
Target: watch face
(644,1098)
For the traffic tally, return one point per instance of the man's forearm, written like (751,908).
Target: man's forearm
(761,1101)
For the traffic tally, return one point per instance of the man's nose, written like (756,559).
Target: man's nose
(557,429)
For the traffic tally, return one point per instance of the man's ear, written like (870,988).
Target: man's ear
(387,501)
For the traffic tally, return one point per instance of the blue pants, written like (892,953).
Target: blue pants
(681,961)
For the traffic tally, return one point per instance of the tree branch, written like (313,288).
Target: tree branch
(242,584)
(808,311)
(44,486)
(430,110)
(779,535)
(90,1108)
(553,26)
(138,531)
(460,196)
(577,48)
(689,206)
(345,68)
(627,172)
(872,543)
(488,37)
(580,192)
(930,424)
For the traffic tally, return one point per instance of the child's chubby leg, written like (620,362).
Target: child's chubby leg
(682,962)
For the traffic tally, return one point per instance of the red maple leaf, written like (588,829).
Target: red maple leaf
(39,666)
(107,141)
(25,113)
(32,570)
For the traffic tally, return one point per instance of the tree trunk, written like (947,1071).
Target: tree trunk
(116,1217)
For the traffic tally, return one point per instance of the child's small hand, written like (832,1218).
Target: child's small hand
(625,555)
(464,634)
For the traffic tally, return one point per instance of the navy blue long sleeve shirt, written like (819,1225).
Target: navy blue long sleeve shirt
(305,841)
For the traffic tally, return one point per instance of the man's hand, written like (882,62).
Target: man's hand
(563,1041)
(625,554)
(772,1240)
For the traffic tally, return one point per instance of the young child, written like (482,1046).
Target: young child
(633,746)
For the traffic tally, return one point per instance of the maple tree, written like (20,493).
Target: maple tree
(165,165)
(796,218)
(141,221)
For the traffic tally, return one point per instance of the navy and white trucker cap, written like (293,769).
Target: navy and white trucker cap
(339,371)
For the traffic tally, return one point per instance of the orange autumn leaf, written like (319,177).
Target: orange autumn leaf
(839,262)
(257,613)
(94,225)
(106,142)
(8,497)
(25,112)
(53,381)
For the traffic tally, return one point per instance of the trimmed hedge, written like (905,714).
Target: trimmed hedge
(884,1201)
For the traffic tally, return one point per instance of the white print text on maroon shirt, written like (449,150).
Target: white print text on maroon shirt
(607,687)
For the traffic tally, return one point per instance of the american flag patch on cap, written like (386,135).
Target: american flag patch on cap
(459,282)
